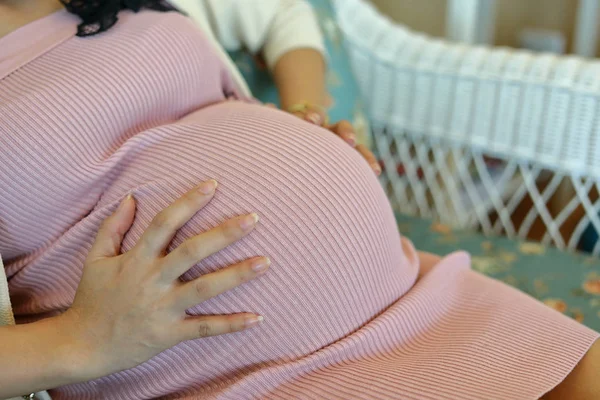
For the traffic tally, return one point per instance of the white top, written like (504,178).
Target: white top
(274,27)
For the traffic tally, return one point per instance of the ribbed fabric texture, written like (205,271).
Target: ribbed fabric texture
(141,109)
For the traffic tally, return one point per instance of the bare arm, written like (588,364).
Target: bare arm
(300,77)
(583,383)
(128,308)
(36,357)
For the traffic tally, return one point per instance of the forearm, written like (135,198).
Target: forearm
(300,77)
(37,356)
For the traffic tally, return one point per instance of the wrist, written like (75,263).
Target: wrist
(311,112)
(48,350)
(75,355)
(302,104)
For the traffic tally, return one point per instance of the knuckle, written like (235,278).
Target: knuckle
(138,255)
(155,337)
(202,288)
(204,329)
(163,221)
(162,272)
(126,265)
(233,325)
(231,231)
(242,278)
(244,275)
(188,250)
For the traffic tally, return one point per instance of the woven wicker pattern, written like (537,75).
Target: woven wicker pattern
(495,139)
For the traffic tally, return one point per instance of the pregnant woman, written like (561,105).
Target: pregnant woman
(351,310)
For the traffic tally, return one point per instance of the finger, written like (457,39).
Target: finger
(163,227)
(345,130)
(110,235)
(206,326)
(367,155)
(197,248)
(314,115)
(270,105)
(210,285)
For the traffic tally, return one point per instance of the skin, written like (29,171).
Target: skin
(582,383)
(306,63)
(310,65)
(129,307)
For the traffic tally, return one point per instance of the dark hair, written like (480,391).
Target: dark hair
(99,15)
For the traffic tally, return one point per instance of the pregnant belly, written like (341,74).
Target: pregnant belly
(325,223)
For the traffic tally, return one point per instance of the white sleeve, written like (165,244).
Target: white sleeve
(274,27)
(294,26)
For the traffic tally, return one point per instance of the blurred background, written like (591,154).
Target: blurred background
(550,25)
(486,149)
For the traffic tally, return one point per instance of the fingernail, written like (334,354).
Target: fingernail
(125,200)
(351,140)
(208,187)
(253,321)
(261,265)
(249,221)
(377,168)
(315,118)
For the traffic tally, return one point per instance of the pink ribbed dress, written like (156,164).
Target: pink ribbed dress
(352,311)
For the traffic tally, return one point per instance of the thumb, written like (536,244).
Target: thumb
(113,229)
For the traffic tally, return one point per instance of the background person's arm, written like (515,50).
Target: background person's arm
(294,52)
(285,32)
(300,78)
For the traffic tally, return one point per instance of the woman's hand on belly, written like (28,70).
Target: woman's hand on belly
(130,307)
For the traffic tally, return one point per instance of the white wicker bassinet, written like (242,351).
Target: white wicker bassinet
(496,139)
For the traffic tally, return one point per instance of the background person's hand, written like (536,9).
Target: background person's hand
(130,307)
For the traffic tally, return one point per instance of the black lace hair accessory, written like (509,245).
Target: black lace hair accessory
(99,15)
